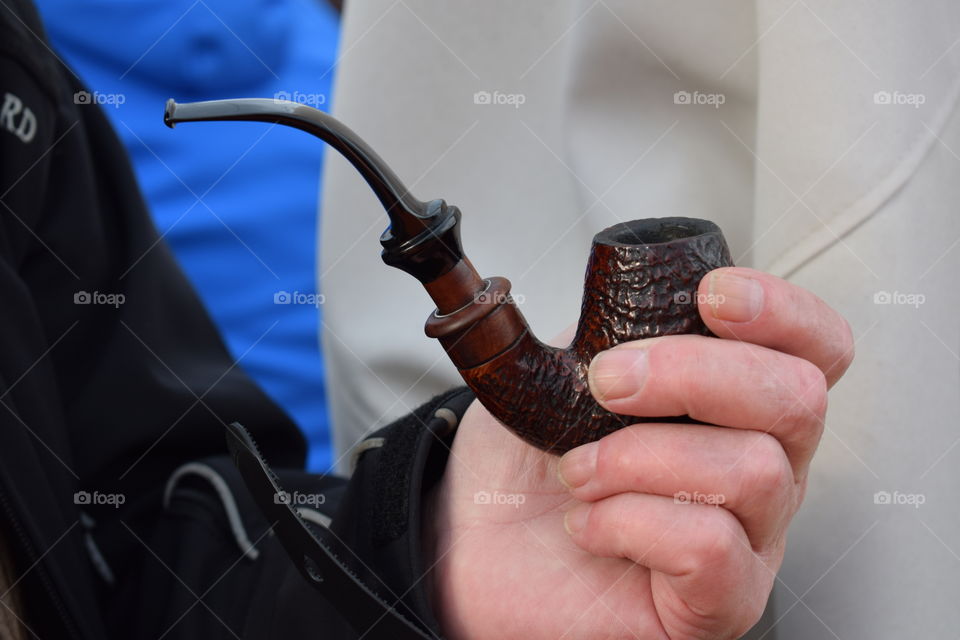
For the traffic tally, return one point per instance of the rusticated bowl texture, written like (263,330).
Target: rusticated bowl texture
(641,282)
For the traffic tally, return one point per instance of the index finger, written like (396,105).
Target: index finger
(743,304)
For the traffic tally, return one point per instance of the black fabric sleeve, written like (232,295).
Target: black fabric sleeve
(112,374)
(381,513)
(228,560)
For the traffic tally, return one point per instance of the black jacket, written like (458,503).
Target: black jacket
(112,378)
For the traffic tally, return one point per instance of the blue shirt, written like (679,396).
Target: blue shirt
(237,202)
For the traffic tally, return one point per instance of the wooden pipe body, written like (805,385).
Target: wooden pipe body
(641,282)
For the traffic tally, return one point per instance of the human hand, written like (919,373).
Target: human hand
(657,530)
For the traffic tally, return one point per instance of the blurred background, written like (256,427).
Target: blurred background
(237,202)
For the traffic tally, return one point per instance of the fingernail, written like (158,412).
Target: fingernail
(577,466)
(618,373)
(735,298)
(576,519)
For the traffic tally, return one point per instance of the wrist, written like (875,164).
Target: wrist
(437,550)
(428,544)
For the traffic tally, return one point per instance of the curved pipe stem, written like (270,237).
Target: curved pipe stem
(408,215)
(423,238)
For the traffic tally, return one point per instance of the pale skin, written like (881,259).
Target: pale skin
(601,543)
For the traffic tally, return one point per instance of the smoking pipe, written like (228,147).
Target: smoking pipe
(641,282)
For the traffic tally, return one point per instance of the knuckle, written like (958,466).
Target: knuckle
(610,525)
(749,615)
(692,389)
(615,455)
(766,471)
(716,543)
(801,394)
(847,347)
(811,390)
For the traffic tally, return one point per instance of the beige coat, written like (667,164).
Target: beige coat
(823,138)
